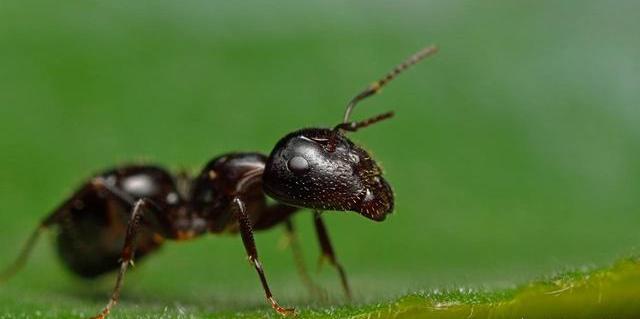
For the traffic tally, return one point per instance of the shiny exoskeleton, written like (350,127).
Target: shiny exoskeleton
(133,209)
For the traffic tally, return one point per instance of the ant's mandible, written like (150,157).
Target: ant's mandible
(133,209)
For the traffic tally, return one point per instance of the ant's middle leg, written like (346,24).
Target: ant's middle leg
(246,232)
(328,252)
(292,240)
(128,252)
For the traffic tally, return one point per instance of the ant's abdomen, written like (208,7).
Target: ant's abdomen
(91,233)
(91,237)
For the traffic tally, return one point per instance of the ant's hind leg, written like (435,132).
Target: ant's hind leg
(24,255)
(127,255)
(53,218)
(246,233)
(328,252)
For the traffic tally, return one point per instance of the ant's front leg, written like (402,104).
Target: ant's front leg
(279,213)
(246,232)
(328,252)
(128,251)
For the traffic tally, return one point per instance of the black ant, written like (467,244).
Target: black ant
(133,209)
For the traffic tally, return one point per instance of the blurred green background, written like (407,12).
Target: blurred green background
(514,153)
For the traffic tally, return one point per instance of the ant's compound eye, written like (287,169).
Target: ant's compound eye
(298,165)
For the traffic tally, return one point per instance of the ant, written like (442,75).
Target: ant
(132,209)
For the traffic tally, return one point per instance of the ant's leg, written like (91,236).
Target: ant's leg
(128,252)
(53,218)
(24,255)
(328,253)
(278,213)
(249,244)
(292,240)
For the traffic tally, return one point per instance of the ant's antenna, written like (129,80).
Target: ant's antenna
(354,126)
(372,89)
(377,85)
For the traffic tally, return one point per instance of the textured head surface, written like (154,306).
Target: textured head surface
(304,171)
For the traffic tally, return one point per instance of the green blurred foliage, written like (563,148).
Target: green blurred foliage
(514,151)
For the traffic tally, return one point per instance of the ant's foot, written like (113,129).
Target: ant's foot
(283,311)
(105,312)
(101,315)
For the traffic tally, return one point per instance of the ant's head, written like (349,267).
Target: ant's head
(322,169)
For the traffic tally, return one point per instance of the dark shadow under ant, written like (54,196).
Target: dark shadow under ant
(133,209)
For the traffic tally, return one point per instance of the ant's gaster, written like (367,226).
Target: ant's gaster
(133,209)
